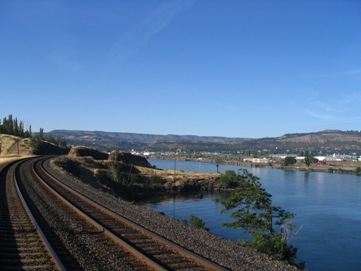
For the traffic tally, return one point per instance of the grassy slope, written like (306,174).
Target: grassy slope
(15,146)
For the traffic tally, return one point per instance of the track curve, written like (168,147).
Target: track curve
(23,245)
(82,234)
(155,250)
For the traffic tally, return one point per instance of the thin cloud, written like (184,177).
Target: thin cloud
(320,115)
(329,107)
(339,112)
(351,72)
(343,103)
(140,34)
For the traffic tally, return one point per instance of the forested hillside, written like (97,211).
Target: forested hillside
(324,142)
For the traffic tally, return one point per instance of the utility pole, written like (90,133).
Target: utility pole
(130,172)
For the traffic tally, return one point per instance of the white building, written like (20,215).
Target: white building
(256,160)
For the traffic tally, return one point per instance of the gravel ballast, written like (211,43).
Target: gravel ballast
(222,251)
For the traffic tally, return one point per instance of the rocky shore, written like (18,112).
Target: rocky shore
(222,251)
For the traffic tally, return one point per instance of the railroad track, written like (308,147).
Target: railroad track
(137,247)
(23,246)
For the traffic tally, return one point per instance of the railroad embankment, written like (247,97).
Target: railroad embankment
(217,249)
(134,171)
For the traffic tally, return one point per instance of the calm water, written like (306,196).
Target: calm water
(327,206)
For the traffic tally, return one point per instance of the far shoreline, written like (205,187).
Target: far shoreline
(342,167)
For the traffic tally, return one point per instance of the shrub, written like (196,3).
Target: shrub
(195,222)
(156,182)
(289,160)
(69,165)
(229,179)
(270,226)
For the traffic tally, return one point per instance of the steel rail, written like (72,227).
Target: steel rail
(13,166)
(197,258)
(43,238)
(144,258)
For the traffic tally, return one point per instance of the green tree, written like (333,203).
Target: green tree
(308,158)
(195,222)
(289,160)
(268,225)
(12,126)
(21,129)
(15,127)
(229,179)
(62,143)
(41,134)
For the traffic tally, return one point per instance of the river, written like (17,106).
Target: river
(327,208)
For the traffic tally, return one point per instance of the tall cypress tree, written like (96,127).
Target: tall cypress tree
(15,127)
(308,158)
(10,125)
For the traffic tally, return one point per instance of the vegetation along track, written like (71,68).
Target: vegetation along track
(97,238)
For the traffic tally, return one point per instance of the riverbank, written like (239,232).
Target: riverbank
(179,181)
(325,205)
(349,167)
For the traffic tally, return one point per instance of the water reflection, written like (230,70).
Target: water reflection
(307,176)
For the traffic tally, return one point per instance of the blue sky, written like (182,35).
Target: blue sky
(235,68)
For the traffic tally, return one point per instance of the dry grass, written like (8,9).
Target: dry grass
(349,166)
(331,166)
(4,160)
(14,146)
(175,175)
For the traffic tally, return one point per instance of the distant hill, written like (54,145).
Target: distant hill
(128,141)
(329,141)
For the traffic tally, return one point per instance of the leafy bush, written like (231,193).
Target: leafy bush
(69,165)
(289,160)
(195,222)
(116,172)
(229,179)
(269,225)
(156,182)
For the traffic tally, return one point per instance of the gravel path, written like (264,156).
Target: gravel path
(222,251)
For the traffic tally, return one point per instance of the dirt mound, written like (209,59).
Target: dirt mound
(118,156)
(128,158)
(87,151)
(13,145)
